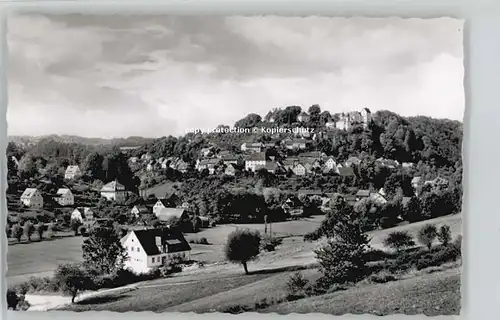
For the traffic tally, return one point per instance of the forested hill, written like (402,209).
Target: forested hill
(436,142)
(405,139)
(72,139)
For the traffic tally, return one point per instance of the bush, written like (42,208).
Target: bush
(12,299)
(382,277)
(202,240)
(296,286)
(82,230)
(399,240)
(439,257)
(269,243)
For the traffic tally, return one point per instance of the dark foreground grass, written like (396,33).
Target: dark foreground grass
(161,296)
(432,294)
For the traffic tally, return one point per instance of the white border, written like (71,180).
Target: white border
(481,276)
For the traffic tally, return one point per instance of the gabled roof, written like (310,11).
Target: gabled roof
(29,192)
(346,171)
(62,191)
(72,169)
(113,186)
(142,208)
(363,193)
(166,214)
(173,240)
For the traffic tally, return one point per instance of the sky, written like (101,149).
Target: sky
(152,76)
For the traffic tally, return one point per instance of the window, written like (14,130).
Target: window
(153,259)
(138,249)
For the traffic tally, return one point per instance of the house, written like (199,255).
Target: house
(146,157)
(209,164)
(252,147)
(346,172)
(256,161)
(150,248)
(299,170)
(139,210)
(331,164)
(84,215)
(168,214)
(72,172)
(16,162)
(361,194)
(65,197)
(160,204)
(378,198)
(352,161)
(330,124)
(206,152)
(416,183)
(231,169)
(32,198)
(205,221)
(297,144)
(114,191)
(303,117)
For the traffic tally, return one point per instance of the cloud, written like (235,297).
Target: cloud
(158,75)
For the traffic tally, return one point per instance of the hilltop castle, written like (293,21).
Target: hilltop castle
(346,120)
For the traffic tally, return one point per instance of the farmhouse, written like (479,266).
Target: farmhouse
(84,215)
(160,204)
(72,172)
(299,170)
(231,169)
(209,164)
(255,161)
(32,198)
(139,210)
(151,248)
(65,197)
(114,191)
(169,214)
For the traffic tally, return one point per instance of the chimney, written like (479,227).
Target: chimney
(158,241)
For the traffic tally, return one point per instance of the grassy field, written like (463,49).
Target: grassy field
(430,294)
(161,189)
(41,258)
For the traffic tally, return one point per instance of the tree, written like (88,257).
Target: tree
(92,166)
(40,228)
(75,225)
(12,299)
(73,278)
(427,235)
(243,246)
(399,240)
(343,258)
(17,232)
(28,229)
(102,250)
(444,235)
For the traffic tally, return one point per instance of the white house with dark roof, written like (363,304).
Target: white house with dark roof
(139,210)
(64,197)
(114,191)
(151,248)
(72,172)
(32,198)
(256,161)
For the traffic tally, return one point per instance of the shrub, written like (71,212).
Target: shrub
(17,232)
(427,235)
(296,286)
(82,230)
(73,279)
(439,257)
(202,240)
(382,277)
(40,229)
(399,240)
(270,243)
(28,229)
(444,235)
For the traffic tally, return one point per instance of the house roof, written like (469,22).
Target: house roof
(62,191)
(310,192)
(72,169)
(113,186)
(29,192)
(142,208)
(259,156)
(166,214)
(363,193)
(172,239)
(346,171)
